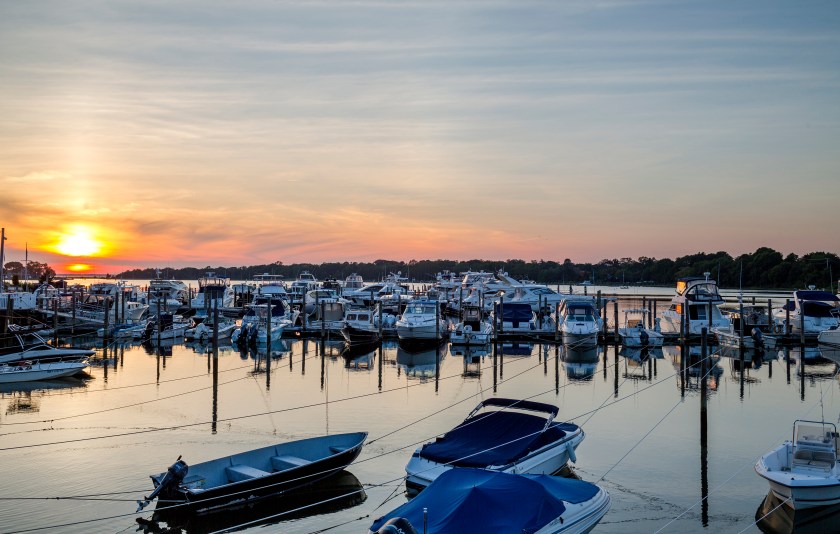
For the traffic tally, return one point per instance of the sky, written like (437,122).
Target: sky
(197,133)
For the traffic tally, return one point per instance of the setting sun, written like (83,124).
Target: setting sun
(78,240)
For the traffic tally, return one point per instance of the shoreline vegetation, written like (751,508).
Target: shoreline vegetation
(763,269)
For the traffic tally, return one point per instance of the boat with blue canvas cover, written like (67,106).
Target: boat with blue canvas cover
(476,500)
(507,435)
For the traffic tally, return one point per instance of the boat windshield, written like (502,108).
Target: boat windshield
(580,313)
(428,309)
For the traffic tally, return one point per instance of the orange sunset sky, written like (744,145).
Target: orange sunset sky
(155,134)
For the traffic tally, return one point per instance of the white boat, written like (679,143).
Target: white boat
(26,371)
(165,327)
(695,298)
(20,300)
(166,295)
(473,329)
(475,500)
(804,472)
(352,282)
(213,291)
(203,331)
(315,297)
(815,310)
(580,321)
(30,346)
(421,321)
(635,334)
(518,436)
(755,338)
(297,290)
(513,318)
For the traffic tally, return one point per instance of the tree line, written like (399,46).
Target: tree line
(763,269)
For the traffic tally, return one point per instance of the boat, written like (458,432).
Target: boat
(361,326)
(353,282)
(508,435)
(473,329)
(830,337)
(814,310)
(21,345)
(26,371)
(476,500)
(635,334)
(695,297)
(203,331)
(421,321)
(213,291)
(166,295)
(165,326)
(580,321)
(253,475)
(305,282)
(803,472)
(513,318)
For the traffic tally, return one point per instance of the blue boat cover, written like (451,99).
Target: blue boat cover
(816,295)
(494,438)
(476,500)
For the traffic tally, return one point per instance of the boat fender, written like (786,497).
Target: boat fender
(571,450)
(397,525)
(173,477)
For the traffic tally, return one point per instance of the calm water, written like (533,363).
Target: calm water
(100,438)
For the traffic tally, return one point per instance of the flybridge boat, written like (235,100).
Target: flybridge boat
(473,328)
(696,297)
(515,436)
(166,295)
(213,291)
(253,475)
(815,310)
(475,500)
(804,472)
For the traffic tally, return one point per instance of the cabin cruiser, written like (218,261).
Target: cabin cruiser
(804,472)
(814,310)
(27,345)
(121,302)
(421,321)
(252,327)
(352,283)
(750,327)
(580,321)
(313,299)
(213,291)
(513,318)
(166,294)
(297,290)
(390,289)
(695,298)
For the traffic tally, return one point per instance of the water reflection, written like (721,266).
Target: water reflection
(333,494)
(474,356)
(773,517)
(640,362)
(580,363)
(420,364)
(691,366)
(359,358)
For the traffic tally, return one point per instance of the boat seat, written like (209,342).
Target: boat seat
(282,462)
(240,472)
(336,449)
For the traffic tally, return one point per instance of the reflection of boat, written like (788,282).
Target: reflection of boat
(634,333)
(804,471)
(358,359)
(255,474)
(829,337)
(475,500)
(774,518)
(518,436)
(516,349)
(26,371)
(420,364)
(333,494)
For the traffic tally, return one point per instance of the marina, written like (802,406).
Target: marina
(672,431)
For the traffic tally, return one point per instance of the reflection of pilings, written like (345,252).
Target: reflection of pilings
(437,367)
(683,367)
(615,369)
(323,370)
(556,369)
(704,432)
(495,367)
(215,388)
(157,358)
(268,365)
(302,358)
(105,362)
(802,373)
(545,358)
(379,365)
(787,363)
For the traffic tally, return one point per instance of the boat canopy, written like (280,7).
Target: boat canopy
(515,311)
(471,500)
(476,441)
(820,296)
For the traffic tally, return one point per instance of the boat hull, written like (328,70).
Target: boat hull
(39,371)
(197,494)
(804,486)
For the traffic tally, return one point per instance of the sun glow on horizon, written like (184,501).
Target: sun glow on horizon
(78,240)
(79,267)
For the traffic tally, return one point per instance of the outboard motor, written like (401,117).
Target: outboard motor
(397,525)
(758,339)
(149,330)
(644,338)
(174,476)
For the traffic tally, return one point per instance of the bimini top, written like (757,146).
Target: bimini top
(822,296)
(475,500)
(515,311)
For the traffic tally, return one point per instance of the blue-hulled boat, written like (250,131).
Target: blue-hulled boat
(507,435)
(477,500)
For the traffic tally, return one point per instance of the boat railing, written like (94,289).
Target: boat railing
(815,444)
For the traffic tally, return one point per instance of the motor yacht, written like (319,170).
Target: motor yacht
(696,297)
(421,321)
(580,321)
(814,310)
